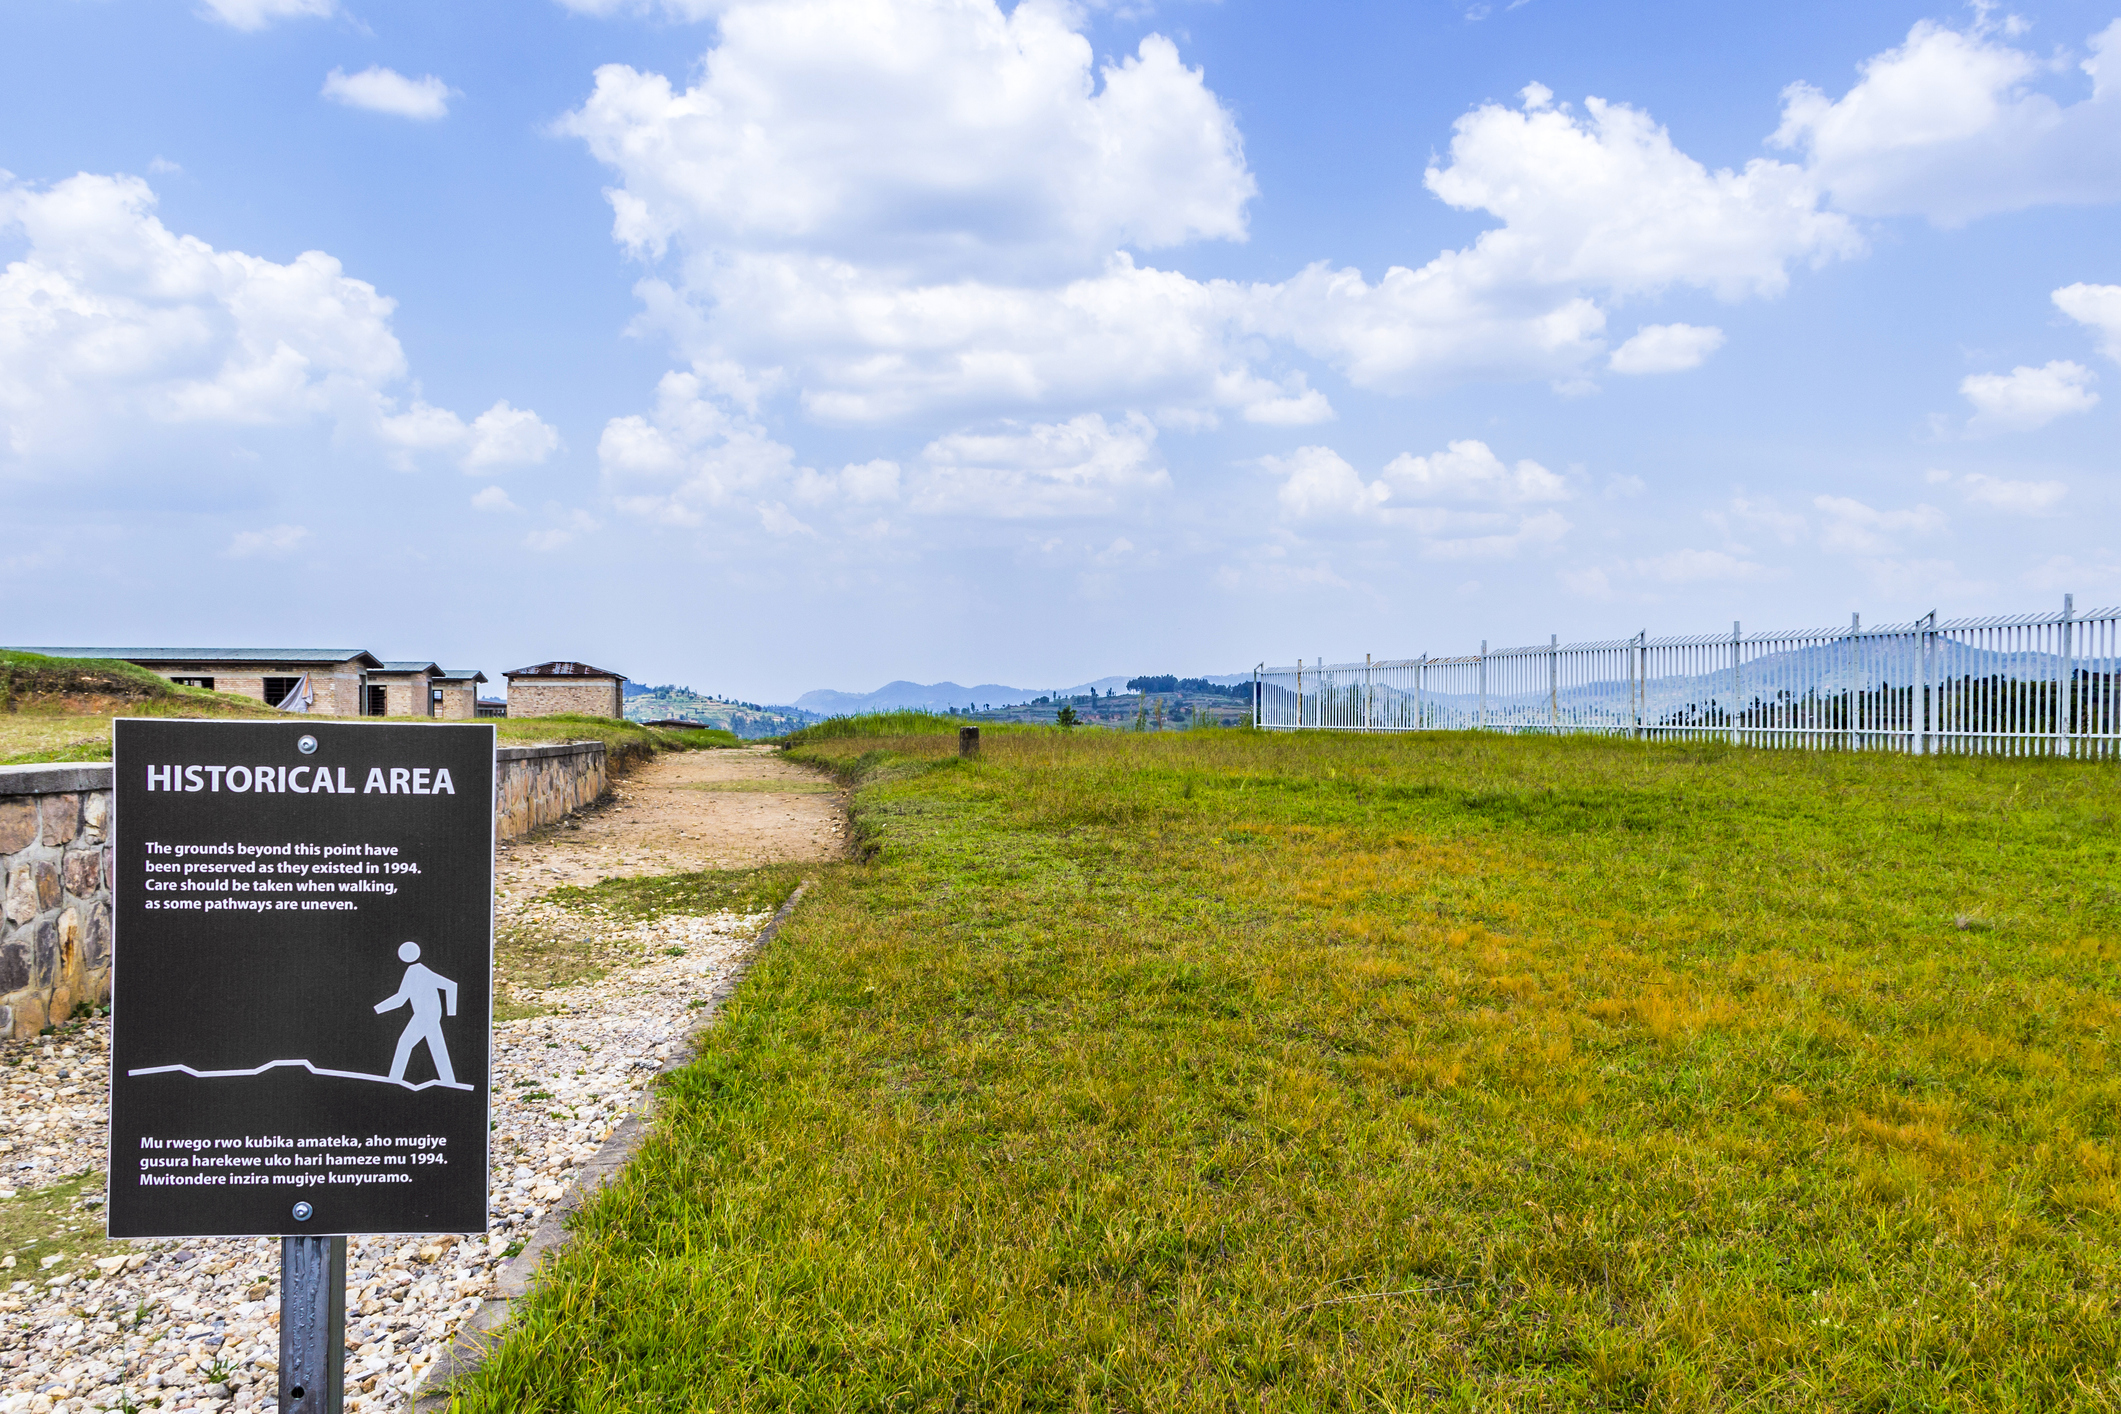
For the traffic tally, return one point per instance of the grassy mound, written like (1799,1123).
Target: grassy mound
(878,724)
(32,677)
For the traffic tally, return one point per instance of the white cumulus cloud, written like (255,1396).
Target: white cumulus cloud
(684,11)
(1850,526)
(1318,484)
(1460,503)
(1953,125)
(1666,348)
(112,325)
(1082,467)
(1608,201)
(897,209)
(2098,307)
(2027,398)
(253,15)
(504,436)
(1470,471)
(382,90)
(938,136)
(1692,566)
(691,457)
(570,528)
(273,542)
(2022,498)
(498,438)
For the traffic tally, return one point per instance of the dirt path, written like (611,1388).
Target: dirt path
(683,811)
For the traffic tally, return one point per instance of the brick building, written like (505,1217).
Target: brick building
(400,689)
(548,689)
(455,693)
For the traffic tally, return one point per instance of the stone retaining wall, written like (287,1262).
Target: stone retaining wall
(56,827)
(55,925)
(539,785)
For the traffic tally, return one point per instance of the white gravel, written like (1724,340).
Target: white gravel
(196,1324)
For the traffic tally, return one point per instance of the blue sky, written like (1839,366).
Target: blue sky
(777,346)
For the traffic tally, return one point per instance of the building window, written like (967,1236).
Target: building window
(276,690)
(207,683)
(378,701)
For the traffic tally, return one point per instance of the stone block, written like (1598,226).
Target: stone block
(95,948)
(14,966)
(49,890)
(21,904)
(69,967)
(61,815)
(18,823)
(82,873)
(44,956)
(29,1016)
(95,816)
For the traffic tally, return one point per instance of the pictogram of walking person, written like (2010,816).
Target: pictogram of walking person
(423,989)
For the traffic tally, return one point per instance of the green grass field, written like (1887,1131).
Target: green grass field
(1221,1071)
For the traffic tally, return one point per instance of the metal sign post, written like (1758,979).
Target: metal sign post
(312,1325)
(301,1008)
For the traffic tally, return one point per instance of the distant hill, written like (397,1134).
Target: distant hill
(750,720)
(941,696)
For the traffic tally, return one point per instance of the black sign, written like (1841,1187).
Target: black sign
(301,1003)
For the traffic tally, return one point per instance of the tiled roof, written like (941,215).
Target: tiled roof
(562,669)
(458,674)
(413,665)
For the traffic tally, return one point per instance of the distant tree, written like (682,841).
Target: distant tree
(1067,717)
(1165,683)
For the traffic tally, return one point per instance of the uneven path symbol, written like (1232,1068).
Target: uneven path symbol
(312,1069)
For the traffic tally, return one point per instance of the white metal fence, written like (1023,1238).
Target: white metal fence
(2027,684)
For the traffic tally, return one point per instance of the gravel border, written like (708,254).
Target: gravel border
(481,1332)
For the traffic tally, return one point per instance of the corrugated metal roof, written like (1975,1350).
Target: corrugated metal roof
(213,655)
(561,668)
(410,665)
(458,674)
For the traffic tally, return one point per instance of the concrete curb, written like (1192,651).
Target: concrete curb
(481,1331)
(54,777)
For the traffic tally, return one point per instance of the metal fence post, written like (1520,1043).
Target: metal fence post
(2065,664)
(1929,691)
(1483,722)
(1367,692)
(312,1325)
(1639,663)
(1737,686)
(1421,677)
(1853,658)
(1553,682)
